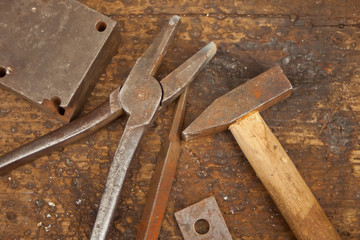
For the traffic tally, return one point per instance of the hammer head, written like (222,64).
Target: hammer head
(258,94)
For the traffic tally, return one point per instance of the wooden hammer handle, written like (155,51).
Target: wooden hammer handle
(280,177)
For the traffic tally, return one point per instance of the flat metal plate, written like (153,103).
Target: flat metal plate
(207,210)
(52,52)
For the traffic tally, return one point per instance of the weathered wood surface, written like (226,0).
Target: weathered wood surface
(317,44)
(287,188)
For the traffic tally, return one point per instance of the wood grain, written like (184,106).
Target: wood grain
(281,179)
(317,45)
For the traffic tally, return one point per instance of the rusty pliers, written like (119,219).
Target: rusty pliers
(141,96)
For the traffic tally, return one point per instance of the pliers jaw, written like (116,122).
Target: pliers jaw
(141,94)
(153,55)
(176,82)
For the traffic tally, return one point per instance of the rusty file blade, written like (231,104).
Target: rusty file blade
(163,176)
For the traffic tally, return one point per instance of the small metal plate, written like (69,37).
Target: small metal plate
(53,51)
(206,210)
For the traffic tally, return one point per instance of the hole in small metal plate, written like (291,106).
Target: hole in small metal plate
(3,71)
(101,26)
(57,101)
(201,226)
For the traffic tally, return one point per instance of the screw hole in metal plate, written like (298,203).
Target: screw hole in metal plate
(57,101)
(201,226)
(61,111)
(101,26)
(3,71)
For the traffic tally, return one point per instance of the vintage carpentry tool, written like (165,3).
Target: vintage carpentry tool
(141,96)
(238,110)
(163,176)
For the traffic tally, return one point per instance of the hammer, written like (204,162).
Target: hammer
(238,110)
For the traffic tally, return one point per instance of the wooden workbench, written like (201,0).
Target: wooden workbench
(317,43)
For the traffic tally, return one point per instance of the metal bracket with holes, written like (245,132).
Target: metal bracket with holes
(203,221)
(53,52)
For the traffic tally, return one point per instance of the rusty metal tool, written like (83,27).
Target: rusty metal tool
(163,176)
(53,52)
(238,110)
(140,97)
(203,221)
